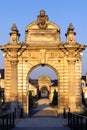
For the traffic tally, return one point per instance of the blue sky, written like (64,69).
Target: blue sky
(61,12)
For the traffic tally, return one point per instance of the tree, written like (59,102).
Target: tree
(83,99)
(55,98)
(31,100)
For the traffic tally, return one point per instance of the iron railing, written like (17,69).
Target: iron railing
(77,122)
(7,121)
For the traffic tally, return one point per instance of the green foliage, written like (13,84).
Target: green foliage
(83,99)
(55,98)
(31,99)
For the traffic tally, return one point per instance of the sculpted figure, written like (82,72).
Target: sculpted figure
(42,20)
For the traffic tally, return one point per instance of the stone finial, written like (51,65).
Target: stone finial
(14,28)
(70,35)
(42,13)
(42,19)
(14,34)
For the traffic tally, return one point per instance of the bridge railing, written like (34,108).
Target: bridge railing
(7,121)
(77,122)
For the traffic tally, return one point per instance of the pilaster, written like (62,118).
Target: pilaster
(14,91)
(72,87)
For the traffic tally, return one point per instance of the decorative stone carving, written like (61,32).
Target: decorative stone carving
(14,35)
(71,61)
(42,20)
(70,35)
(13,61)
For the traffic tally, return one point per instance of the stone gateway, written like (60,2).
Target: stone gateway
(43,46)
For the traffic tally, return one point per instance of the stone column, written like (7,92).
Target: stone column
(14,80)
(14,89)
(72,89)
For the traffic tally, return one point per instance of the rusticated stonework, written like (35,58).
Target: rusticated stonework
(42,45)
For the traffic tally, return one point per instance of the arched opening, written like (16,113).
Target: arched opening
(44,92)
(42,81)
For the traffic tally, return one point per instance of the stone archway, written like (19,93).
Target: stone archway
(43,45)
(44,92)
(44,83)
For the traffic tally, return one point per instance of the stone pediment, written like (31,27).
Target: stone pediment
(34,25)
(42,31)
(35,34)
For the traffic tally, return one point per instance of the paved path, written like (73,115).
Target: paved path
(44,109)
(44,119)
(42,123)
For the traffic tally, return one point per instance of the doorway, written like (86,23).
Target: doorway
(44,92)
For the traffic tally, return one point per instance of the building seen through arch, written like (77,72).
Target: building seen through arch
(44,84)
(43,46)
